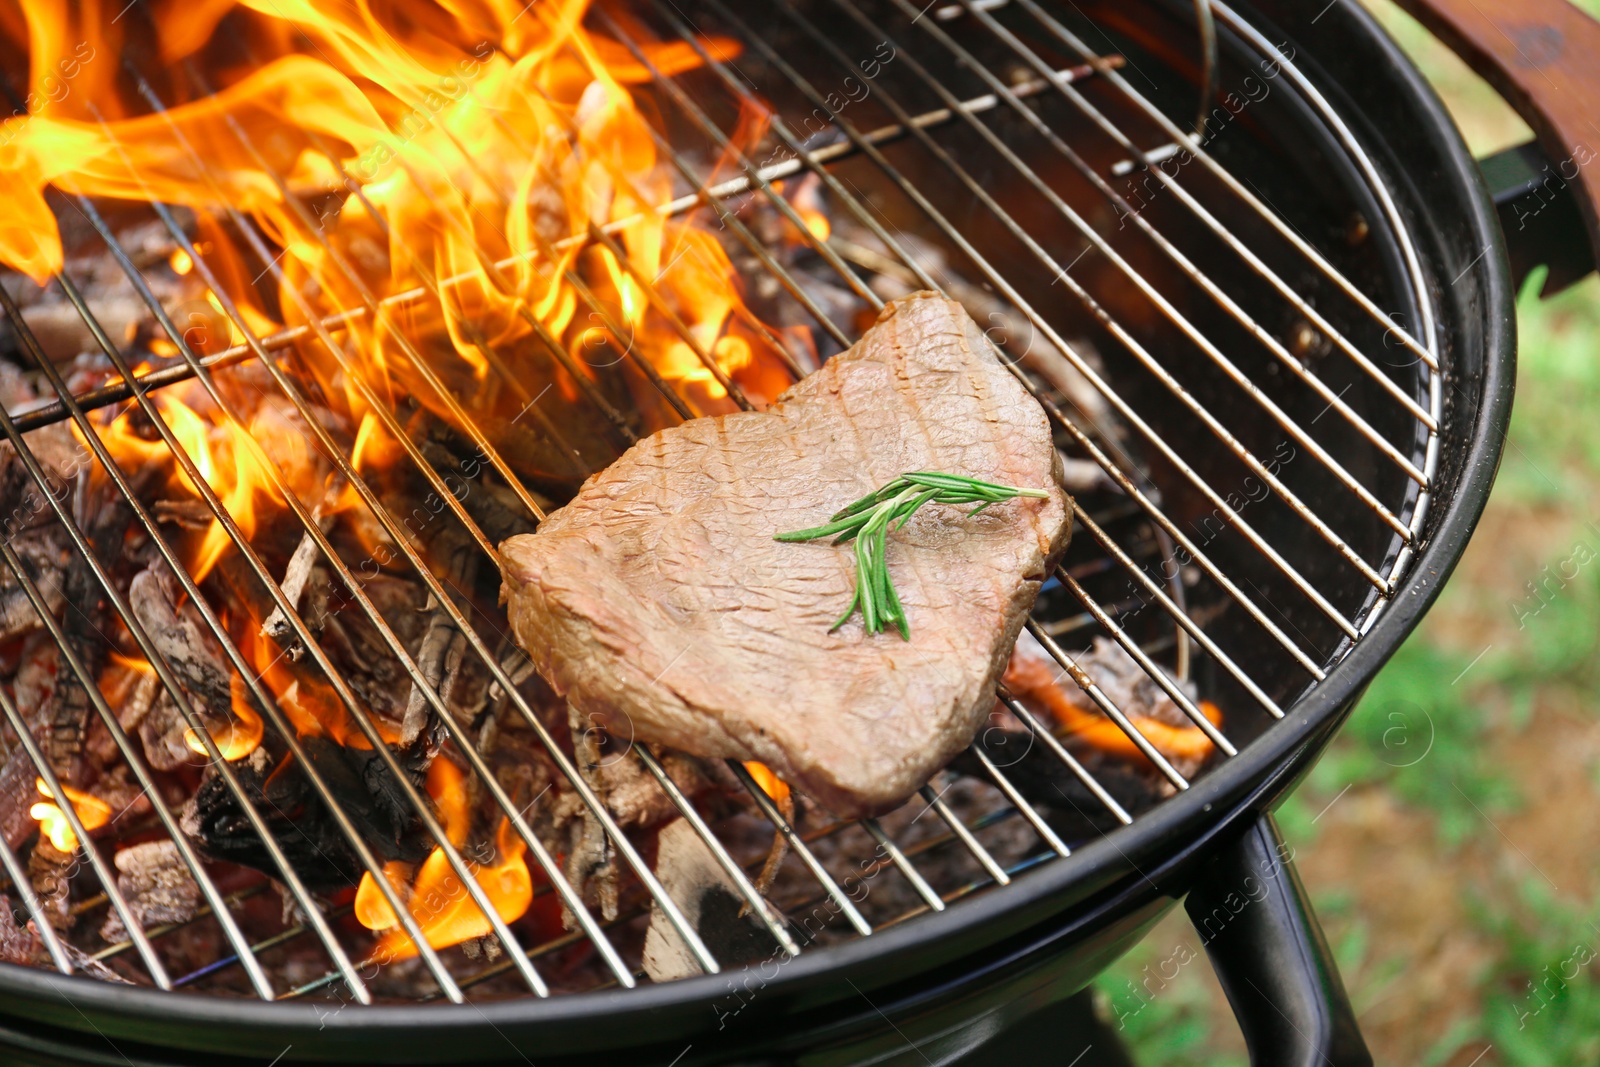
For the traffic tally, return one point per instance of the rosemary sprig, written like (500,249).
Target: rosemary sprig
(867,523)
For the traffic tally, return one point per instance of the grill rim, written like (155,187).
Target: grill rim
(1246,784)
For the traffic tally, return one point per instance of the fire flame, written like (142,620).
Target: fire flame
(435,896)
(484,140)
(1034,679)
(237,739)
(91,810)
(770,783)
(228,457)
(446,190)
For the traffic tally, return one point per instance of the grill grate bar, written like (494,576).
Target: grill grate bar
(24,887)
(1062,274)
(1107,705)
(840,899)
(1300,303)
(999,281)
(1097,695)
(1035,820)
(887,846)
(1148,665)
(746,888)
(447,603)
(1328,270)
(208,888)
(1182,618)
(1165,306)
(1078,770)
(237,660)
(964,835)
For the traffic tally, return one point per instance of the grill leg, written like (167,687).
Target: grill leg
(1255,920)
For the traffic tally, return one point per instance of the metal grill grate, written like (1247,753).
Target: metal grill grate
(976,110)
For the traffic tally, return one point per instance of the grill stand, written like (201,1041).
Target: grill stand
(1256,923)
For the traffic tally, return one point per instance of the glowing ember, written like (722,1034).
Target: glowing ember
(91,810)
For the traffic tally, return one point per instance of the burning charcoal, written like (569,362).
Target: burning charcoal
(352,641)
(710,902)
(1038,681)
(137,700)
(465,689)
(521,766)
(591,861)
(87,965)
(310,838)
(34,687)
(635,797)
(162,731)
(158,887)
(190,514)
(529,454)
(19,943)
(50,872)
(301,564)
(104,518)
(182,640)
(45,554)
(17,795)
(61,332)
(430,659)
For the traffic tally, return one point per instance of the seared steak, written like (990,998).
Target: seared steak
(658,602)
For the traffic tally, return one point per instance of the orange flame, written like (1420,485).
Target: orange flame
(436,898)
(1031,678)
(487,140)
(237,739)
(91,810)
(770,783)
(231,460)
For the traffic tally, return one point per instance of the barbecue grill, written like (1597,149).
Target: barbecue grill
(1273,335)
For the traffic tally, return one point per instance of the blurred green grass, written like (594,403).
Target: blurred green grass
(1458,738)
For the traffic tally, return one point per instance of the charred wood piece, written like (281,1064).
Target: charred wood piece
(157,885)
(710,902)
(309,836)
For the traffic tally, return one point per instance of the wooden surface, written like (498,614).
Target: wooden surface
(1543,56)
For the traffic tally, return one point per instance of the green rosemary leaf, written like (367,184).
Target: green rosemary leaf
(866,523)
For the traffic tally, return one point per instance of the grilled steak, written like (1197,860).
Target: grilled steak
(658,602)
